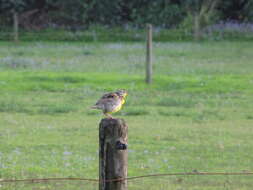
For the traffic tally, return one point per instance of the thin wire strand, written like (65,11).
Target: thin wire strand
(128,178)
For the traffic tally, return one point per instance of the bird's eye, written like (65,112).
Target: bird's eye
(112,95)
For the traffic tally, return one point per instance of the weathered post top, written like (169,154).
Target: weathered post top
(112,154)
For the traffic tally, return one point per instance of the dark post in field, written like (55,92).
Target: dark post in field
(149,55)
(15,26)
(112,154)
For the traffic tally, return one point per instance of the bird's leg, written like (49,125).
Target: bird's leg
(108,116)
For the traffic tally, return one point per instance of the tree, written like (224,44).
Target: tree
(201,12)
(14,7)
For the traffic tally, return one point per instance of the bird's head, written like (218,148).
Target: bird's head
(121,93)
(112,95)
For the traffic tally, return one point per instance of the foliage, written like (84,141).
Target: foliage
(237,10)
(229,30)
(14,5)
(80,14)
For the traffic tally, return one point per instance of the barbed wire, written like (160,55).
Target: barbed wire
(33,180)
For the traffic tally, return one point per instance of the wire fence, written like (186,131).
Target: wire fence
(161,181)
(128,178)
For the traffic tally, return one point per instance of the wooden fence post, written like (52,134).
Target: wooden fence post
(112,154)
(149,55)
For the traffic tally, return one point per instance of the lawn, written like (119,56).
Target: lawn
(196,116)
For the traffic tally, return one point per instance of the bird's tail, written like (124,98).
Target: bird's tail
(94,107)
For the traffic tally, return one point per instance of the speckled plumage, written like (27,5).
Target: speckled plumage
(111,102)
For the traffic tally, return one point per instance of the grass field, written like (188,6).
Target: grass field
(196,116)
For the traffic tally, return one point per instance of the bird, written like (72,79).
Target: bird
(111,102)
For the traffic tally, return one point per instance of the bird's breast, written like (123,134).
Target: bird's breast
(116,108)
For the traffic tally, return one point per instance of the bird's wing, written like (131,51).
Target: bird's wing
(106,102)
(109,95)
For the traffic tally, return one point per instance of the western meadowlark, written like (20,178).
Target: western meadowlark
(111,102)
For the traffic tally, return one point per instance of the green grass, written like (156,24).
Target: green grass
(197,114)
